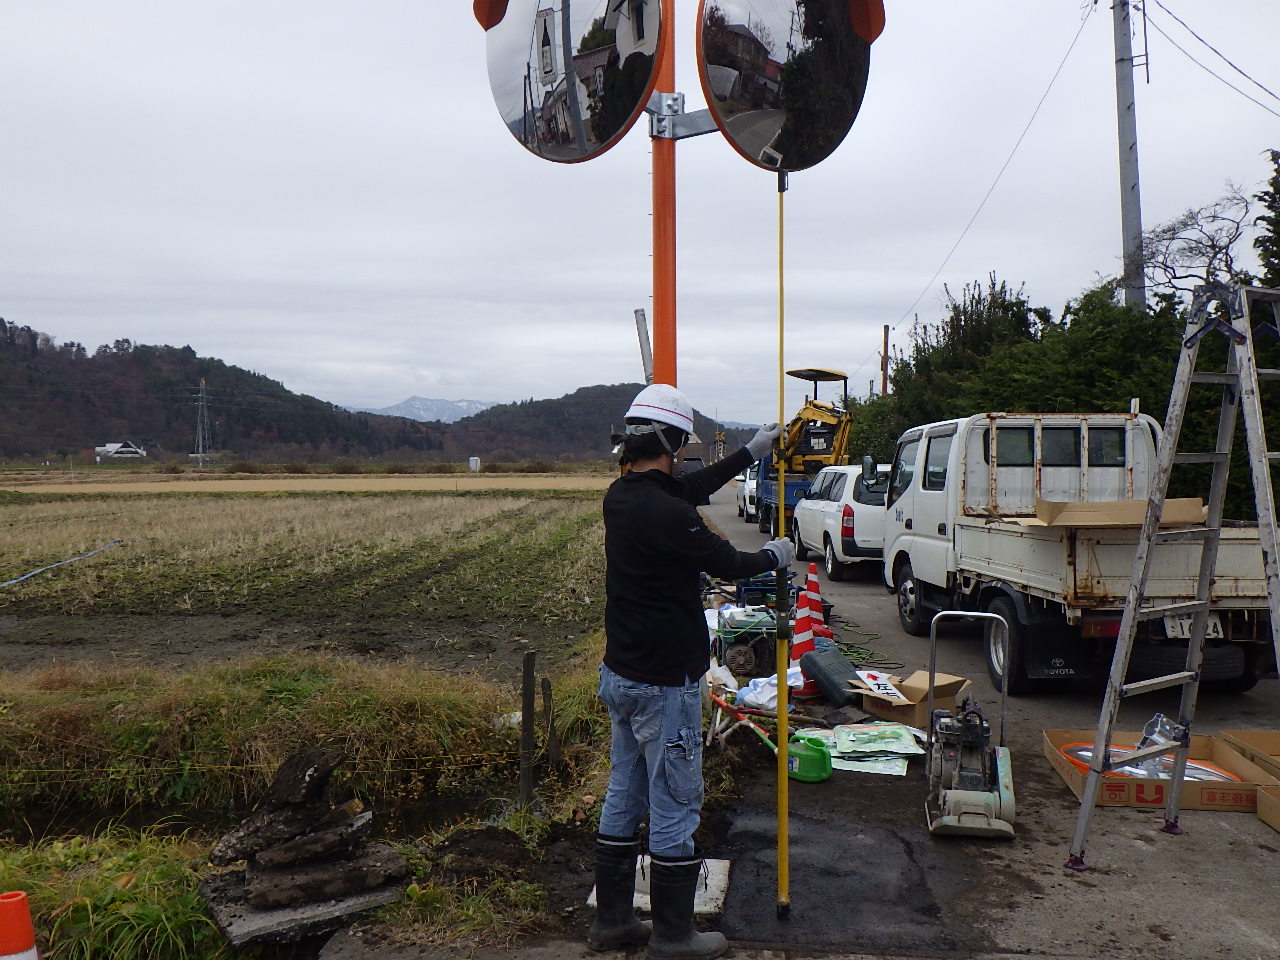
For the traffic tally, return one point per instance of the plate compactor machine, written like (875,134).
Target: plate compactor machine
(970,781)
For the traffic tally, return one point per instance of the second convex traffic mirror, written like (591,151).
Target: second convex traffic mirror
(785,78)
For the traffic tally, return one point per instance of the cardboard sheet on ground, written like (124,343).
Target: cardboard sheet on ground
(713,887)
(867,747)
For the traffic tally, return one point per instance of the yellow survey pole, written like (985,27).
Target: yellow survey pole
(782,595)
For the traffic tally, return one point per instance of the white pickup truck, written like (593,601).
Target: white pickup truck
(962,531)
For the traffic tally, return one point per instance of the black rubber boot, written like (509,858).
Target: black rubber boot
(615,925)
(673,883)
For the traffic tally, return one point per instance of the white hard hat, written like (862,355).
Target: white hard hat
(662,403)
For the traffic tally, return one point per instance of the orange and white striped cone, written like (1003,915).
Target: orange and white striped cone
(17,935)
(803,643)
(815,591)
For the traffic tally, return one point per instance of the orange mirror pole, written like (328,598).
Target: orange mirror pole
(664,214)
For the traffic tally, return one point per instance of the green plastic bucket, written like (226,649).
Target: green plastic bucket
(808,760)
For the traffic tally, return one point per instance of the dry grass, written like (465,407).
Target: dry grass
(287,553)
(252,483)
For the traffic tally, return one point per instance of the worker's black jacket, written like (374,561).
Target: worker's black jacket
(656,545)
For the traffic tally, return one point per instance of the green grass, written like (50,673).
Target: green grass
(122,895)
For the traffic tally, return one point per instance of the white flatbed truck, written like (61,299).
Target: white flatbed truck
(1036,517)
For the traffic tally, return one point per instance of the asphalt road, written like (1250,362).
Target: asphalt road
(1146,894)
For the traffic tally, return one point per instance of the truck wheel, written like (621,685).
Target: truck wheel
(802,552)
(835,569)
(1013,673)
(910,611)
(763,523)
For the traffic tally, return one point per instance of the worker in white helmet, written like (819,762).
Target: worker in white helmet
(656,653)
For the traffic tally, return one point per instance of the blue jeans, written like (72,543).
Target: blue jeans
(656,758)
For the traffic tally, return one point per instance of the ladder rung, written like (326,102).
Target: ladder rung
(1189,606)
(1268,374)
(1209,376)
(1154,750)
(1156,683)
(1272,456)
(1199,457)
(1183,533)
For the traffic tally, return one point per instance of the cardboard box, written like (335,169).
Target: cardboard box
(1117,791)
(946,693)
(1259,747)
(1116,513)
(1269,806)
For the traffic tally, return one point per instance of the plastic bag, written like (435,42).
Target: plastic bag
(762,692)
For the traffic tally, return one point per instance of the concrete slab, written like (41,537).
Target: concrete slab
(244,925)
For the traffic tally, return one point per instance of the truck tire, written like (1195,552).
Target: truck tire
(1013,674)
(1227,668)
(763,523)
(802,552)
(911,612)
(835,569)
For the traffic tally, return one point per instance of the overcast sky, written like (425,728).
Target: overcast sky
(323,192)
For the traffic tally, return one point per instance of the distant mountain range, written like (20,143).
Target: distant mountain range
(426,409)
(59,400)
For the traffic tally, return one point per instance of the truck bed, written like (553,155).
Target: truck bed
(1090,567)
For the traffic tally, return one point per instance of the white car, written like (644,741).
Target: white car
(842,517)
(747,492)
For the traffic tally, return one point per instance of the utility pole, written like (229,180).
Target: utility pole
(884,363)
(1132,281)
(203,443)
(571,78)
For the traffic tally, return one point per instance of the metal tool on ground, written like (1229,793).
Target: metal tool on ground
(970,781)
(807,760)
(1238,396)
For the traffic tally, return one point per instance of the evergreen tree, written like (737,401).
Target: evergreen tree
(1267,243)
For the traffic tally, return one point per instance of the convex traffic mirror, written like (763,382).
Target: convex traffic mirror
(570,77)
(785,78)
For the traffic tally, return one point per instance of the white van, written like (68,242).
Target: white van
(747,492)
(970,524)
(842,517)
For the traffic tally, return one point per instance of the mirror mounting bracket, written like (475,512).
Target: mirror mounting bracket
(667,118)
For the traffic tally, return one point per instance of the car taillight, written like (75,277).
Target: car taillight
(846,522)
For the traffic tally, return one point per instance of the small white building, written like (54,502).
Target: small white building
(122,450)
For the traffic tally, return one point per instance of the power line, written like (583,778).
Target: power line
(955,246)
(1214,49)
(1221,79)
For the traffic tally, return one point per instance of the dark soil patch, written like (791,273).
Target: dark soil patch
(495,650)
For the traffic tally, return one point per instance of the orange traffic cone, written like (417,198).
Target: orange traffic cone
(815,591)
(803,643)
(17,935)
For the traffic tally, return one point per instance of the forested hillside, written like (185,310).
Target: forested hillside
(58,400)
(582,420)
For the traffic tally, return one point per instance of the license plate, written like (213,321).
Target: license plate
(1177,626)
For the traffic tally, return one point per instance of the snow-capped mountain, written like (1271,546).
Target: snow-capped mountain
(425,408)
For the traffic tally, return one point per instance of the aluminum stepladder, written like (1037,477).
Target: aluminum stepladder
(1240,395)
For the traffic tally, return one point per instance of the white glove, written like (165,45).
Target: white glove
(762,442)
(784,551)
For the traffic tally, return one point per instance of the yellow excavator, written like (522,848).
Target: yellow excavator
(816,437)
